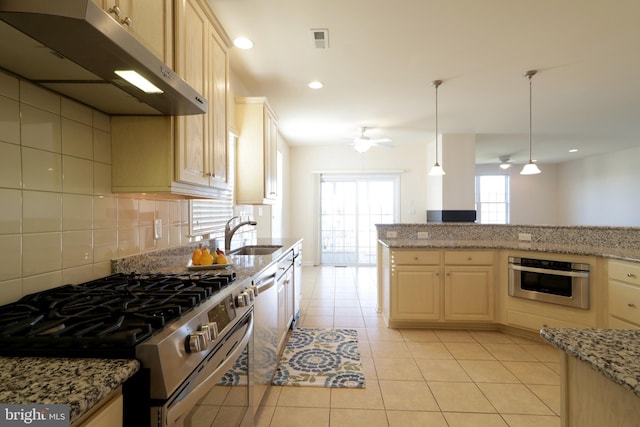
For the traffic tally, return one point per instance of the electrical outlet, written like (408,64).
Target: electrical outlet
(157,229)
(525,237)
(392,234)
(423,234)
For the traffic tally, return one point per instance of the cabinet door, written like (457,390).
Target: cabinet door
(191,64)
(218,168)
(270,156)
(149,20)
(415,293)
(468,293)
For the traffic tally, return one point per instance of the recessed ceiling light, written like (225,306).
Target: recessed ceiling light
(243,43)
(573,150)
(316,85)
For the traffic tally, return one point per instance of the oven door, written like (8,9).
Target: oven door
(220,391)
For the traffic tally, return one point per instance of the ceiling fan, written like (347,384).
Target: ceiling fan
(362,143)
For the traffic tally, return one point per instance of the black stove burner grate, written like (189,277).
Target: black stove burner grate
(106,317)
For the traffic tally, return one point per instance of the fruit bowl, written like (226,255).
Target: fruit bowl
(192,267)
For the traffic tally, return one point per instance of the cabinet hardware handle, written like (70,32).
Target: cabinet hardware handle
(127,21)
(631,305)
(115,10)
(544,325)
(469,259)
(415,258)
(631,275)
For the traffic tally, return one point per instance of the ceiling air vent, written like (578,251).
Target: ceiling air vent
(320,38)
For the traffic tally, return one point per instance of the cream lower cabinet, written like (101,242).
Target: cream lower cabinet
(418,292)
(285,307)
(105,414)
(624,295)
(469,285)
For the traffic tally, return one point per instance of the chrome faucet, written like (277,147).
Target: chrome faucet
(229,232)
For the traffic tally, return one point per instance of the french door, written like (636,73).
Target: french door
(350,206)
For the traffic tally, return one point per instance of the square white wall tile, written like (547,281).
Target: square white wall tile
(163,211)
(76,111)
(175,235)
(101,146)
(40,129)
(175,211)
(127,212)
(163,242)
(101,121)
(77,139)
(11,212)
(42,212)
(78,175)
(147,242)
(101,178)
(101,269)
(10,119)
(9,86)
(42,253)
(42,170)
(128,241)
(77,248)
(146,212)
(77,275)
(11,259)
(10,166)
(10,291)
(105,212)
(41,282)
(105,245)
(77,212)
(39,97)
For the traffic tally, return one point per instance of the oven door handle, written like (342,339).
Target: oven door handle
(550,272)
(189,401)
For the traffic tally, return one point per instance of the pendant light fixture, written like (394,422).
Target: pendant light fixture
(436,170)
(530,168)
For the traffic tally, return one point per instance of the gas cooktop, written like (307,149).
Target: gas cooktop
(104,318)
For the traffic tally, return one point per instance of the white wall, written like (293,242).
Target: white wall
(303,194)
(600,190)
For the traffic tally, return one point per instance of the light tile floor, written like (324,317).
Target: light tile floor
(416,377)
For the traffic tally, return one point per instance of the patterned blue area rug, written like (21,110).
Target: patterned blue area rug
(321,358)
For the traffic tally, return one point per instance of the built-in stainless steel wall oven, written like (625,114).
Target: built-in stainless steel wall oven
(556,282)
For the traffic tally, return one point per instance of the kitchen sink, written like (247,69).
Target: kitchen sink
(255,250)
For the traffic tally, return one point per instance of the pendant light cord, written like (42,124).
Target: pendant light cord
(530,104)
(435,84)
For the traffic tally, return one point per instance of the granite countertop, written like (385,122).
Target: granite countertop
(627,254)
(615,353)
(80,383)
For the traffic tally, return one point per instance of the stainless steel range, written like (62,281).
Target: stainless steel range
(191,332)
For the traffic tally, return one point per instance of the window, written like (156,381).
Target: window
(492,199)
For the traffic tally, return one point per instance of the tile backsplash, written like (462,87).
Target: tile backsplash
(59,221)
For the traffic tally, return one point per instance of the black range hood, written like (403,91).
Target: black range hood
(73,47)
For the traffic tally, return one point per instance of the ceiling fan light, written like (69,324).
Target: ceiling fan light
(530,169)
(243,43)
(437,170)
(361,146)
(505,166)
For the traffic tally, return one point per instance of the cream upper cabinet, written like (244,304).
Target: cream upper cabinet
(149,20)
(201,60)
(469,285)
(256,181)
(183,155)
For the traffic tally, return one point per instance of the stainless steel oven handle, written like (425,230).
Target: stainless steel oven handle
(182,407)
(550,272)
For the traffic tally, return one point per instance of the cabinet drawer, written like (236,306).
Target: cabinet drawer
(468,257)
(414,257)
(624,302)
(615,323)
(531,321)
(625,271)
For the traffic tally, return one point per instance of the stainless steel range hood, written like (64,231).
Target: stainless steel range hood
(73,47)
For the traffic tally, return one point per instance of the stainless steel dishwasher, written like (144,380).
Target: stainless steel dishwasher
(265,333)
